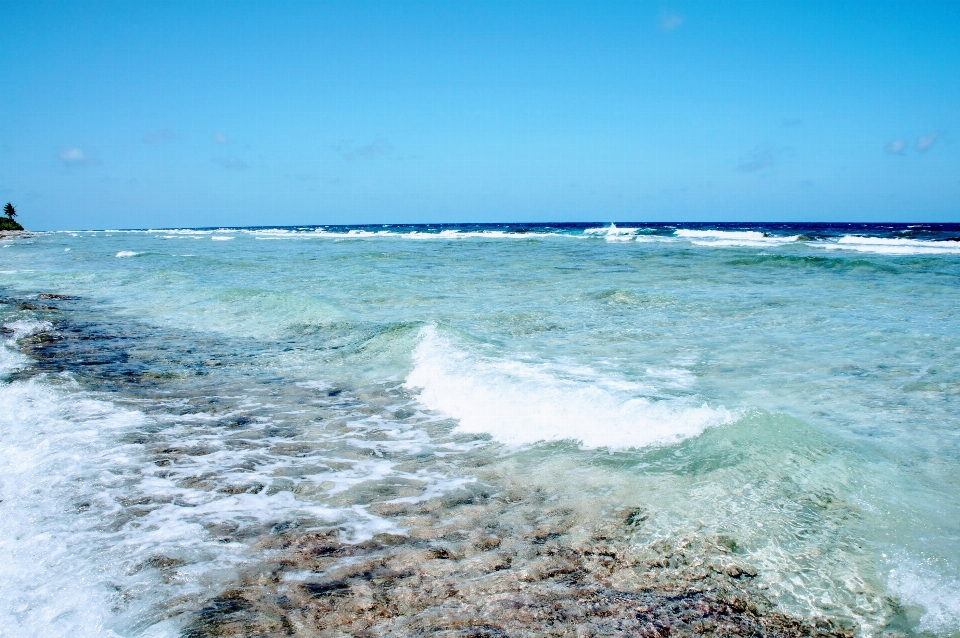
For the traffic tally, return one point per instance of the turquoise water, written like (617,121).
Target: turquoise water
(791,389)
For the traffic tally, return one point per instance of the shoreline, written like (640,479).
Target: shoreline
(495,557)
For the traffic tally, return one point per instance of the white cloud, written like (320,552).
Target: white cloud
(73,156)
(220,138)
(897,147)
(670,20)
(924,143)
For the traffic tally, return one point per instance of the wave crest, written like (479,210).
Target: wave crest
(520,404)
(895,246)
(733,237)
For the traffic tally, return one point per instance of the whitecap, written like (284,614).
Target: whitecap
(359,233)
(519,403)
(725,238)
(893,246)
(613,233)
(128,253)
(181,231)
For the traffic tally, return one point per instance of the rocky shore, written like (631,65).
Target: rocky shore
(504,564)
(506,554)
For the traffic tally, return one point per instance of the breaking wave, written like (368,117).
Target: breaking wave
(894,246)
(733,238)
(519,403)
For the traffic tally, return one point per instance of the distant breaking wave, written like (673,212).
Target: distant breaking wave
(893,246)
(733,238)
(879,239)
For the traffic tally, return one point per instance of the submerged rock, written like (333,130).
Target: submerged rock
(501,565)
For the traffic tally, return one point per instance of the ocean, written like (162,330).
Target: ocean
(481,430)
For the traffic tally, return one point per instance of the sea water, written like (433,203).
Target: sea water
(178,407)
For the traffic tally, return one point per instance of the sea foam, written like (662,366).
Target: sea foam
(520,403)
(733,237)
(52,581)
(10,359)
(86,513)
(613,233)
(921,585)
(894,246)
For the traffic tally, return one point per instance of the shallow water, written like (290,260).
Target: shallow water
(205,437)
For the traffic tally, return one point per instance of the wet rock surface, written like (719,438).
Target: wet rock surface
(500,564)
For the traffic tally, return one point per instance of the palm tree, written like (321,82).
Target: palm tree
(10,211)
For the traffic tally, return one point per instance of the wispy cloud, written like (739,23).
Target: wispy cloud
(373,149)
(896,147)
(232,163)
(349,151)
(73,156)
(924,143)
(163,135)
(670,20)
(760,158)
(220,138)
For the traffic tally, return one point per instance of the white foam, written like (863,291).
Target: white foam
(222,237)
(923,586)
(73,554)
(613,233)
(645,239)
(26,327)
(357,233)
(893,246)
(520,403)
(600,231)
(49,582)
(10,359)
(127,253)
(471,234)
(185,233)
(723,238)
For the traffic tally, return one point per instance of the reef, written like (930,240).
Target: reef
(506,564)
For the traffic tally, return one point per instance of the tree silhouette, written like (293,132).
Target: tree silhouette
(9,211)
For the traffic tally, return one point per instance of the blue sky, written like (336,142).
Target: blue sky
(157,114)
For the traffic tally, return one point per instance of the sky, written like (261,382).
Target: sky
(175,114)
